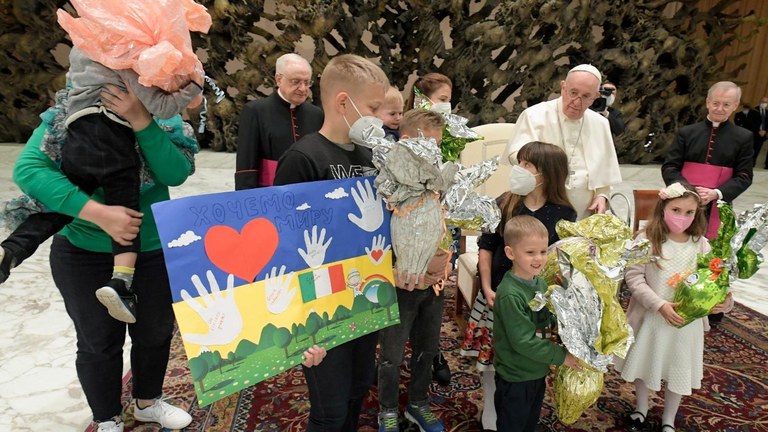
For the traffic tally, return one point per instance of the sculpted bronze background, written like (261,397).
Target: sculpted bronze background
(501,55)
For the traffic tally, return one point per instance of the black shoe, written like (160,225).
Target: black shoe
(440,370)
(119,300)
(667,428)
(636,425)
(714,319)
(6,264)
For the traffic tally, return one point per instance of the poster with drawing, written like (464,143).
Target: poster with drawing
(258,276)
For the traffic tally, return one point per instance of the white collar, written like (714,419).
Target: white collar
(283,98)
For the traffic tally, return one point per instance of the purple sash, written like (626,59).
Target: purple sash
(709,176)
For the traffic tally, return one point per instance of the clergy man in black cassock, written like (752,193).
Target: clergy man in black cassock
(714,155)
(270,125)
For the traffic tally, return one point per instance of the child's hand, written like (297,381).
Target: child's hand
(314,356)
(126,105)
(490,297)
(572,362)
(724,305)
(438,267)
(667,310)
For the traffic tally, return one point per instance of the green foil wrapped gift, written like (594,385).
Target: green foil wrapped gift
(699,292)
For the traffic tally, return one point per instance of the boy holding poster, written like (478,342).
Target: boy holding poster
(352,90)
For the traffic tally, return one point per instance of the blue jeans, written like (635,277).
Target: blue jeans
(78,273)
(518,404)
(338,385)
(421,314)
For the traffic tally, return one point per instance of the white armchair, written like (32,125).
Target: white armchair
(495,138)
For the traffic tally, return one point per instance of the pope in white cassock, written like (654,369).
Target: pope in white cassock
(583,134)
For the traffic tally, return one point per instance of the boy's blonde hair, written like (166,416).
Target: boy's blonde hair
(350,73)
(393,97)
(523,226)
(416,120)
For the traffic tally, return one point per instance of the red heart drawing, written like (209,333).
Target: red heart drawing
(376,254)
(245,253)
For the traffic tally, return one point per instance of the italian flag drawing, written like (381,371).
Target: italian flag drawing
(322,282)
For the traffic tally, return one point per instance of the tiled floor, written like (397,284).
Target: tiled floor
(38,385)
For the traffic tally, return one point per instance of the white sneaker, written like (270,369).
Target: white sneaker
(111,426)
(161,412)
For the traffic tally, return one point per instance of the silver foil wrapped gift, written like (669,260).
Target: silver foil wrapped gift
(412,178)
(750,238)
(465,208)
(579,313)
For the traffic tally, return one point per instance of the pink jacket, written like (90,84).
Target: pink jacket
(644,298)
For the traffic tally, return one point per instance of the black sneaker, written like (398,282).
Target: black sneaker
(7,263)
(119,300)
(440,370)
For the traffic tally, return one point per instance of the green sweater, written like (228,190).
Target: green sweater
(519,354)
(38,176)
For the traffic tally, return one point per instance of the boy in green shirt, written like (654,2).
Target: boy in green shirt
(522,356)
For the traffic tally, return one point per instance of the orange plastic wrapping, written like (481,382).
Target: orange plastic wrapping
(149,36)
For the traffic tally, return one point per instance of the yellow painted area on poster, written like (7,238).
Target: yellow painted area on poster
(251,301)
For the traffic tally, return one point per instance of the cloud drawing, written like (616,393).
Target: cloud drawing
(337,193)
(185,239)
(304,206)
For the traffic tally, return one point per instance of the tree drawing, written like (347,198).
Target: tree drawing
(282,338)
(387,298)
(341,314)
(198,368)
(218,362)
(314,324)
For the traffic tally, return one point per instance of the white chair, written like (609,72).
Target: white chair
(495,138)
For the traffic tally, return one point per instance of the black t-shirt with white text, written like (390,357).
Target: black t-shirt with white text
(314,157)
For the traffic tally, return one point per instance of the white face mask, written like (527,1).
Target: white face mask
(764,105)
(521,181)
(441,107)
(365,128)
(610,100)
(745,110)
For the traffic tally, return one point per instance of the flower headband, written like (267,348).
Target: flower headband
(675,190)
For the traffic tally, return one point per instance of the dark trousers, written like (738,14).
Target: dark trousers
(421,314)
(101,153)
(518,404)
(78,273)
(338,385)
(36,229)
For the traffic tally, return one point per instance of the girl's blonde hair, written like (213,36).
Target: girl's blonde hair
(656,230)
(552,163)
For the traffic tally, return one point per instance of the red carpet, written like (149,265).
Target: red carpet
(733,397)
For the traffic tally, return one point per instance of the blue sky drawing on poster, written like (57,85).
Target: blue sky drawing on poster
(257,276)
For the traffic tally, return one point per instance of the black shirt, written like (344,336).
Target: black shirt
(550,214)
(314,157)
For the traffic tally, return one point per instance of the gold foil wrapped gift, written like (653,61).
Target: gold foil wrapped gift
(575,391)
(584,270)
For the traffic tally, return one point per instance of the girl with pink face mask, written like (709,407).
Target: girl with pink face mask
(662,351)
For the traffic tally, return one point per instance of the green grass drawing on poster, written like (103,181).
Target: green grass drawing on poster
(216,376)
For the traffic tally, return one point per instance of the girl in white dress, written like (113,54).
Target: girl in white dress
(662,351)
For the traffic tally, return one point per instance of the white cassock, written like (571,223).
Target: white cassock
(592,163)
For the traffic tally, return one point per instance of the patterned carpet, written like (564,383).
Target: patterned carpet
(733,397)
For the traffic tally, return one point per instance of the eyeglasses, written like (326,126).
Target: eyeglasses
(295,82)
(573,94)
